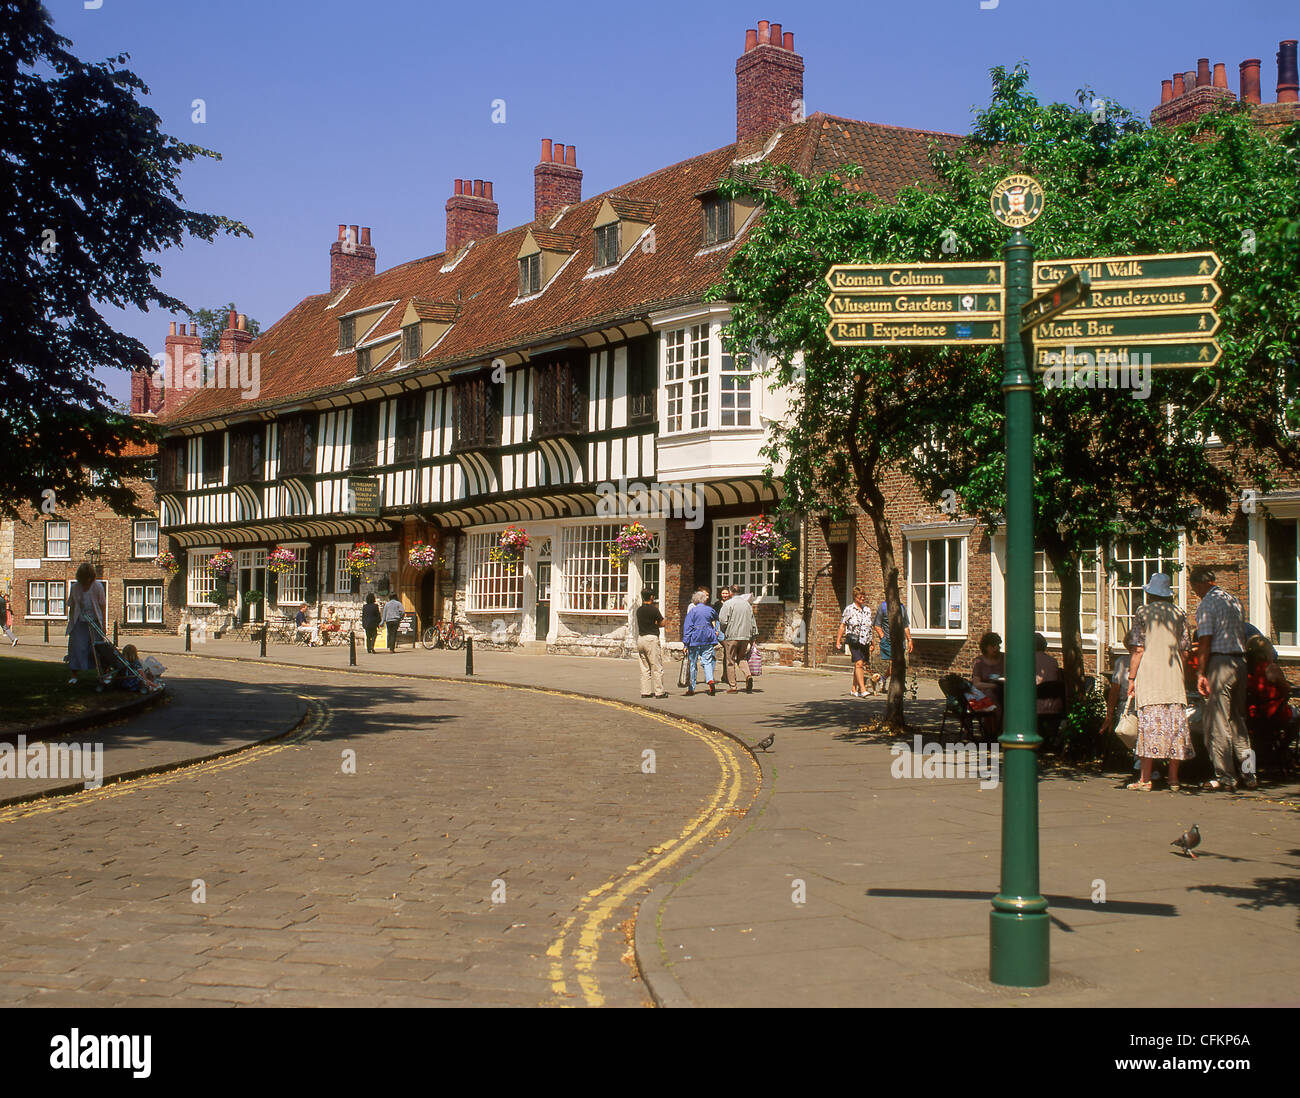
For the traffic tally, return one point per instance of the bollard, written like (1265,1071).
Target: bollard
(47,632)
(187,636)
(469,655)
(352,649)
(114,634)
(265,627)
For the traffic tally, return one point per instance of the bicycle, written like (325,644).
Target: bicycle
(443,635)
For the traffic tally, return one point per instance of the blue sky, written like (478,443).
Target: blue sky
(333,111)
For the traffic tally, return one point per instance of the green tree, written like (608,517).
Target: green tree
(89,183)
(212,322)
(1107,466)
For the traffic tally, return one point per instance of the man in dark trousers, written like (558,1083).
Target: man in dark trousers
(370,621)
(392,618)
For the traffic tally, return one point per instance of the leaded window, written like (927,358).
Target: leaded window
(493,585)
(733,563)
(530,274)
(607,252)
(592,582)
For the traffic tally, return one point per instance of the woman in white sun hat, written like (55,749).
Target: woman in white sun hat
(1161,641)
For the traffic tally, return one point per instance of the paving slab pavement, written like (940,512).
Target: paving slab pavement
(897,874)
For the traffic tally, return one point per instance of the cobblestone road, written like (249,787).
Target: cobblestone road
(489,849)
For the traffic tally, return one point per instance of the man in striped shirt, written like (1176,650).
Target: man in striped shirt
(1221,680)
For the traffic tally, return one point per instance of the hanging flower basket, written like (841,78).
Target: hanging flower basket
(167,562)
(510,546)
(422,555)
(359,560)
(632,539)
(763,539)
(279,561)
(221,564)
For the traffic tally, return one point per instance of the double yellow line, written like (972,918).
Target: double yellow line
(578,945)
(317,720)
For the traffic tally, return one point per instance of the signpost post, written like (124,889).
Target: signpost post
(1091,311)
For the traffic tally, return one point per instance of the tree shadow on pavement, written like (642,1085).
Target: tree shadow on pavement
(1261,893)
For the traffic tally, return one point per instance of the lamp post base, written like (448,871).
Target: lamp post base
(1019,949)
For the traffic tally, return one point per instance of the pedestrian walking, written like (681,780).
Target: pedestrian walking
(1221,681)
(648,623)
(738,632)
(86,603)
(724,597)
(855,627)
(1161,640)
(885,644)
(7,620)
(370,618)
(699,635)
(392,618)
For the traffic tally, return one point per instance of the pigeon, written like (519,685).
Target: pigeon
(1187,840)
(763,745)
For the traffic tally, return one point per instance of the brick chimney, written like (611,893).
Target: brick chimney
(351,257)
(1193,93)
(1288,83)
(769,81)
(236,338)
(557,180)
(184,353)
(471,214)
(147,388)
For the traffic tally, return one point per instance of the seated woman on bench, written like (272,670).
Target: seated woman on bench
(330,627)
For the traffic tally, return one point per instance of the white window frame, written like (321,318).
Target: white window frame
(699,368)
(735,386)
(147,606)
(344,581)
(147,553)
(45,598)
(947,532)
(491,586)
(733,563)
(584,561)
(66,540)
(1114,631)
(699,377)
(1284,506)
(200,583)
(673,368)
(998,587)
(298,577)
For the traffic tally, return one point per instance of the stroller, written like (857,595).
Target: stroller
(111,665)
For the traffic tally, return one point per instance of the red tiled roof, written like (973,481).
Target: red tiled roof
(299,357)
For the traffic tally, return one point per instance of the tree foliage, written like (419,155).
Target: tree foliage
(89,183)
(1107,466)
(212,322)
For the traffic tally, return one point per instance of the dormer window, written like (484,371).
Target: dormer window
(530,274)
(347,333)
(363,361)
(411,348)
(607,245)
(717,220)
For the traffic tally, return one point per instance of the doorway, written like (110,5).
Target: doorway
(543,599)
(428,598)
(252,577)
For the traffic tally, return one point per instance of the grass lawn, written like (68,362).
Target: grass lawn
(36,691)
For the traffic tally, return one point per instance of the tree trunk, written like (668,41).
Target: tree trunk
(872,502)
(1067,572)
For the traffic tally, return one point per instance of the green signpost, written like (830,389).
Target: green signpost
(1090,313)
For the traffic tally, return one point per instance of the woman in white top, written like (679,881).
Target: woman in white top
(86,602)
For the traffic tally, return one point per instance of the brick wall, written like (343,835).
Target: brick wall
(769,82)
(90,526)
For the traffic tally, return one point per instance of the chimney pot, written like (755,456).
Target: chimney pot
(571,156)
(775,38)
(1189,80)
(1166,90)
(788,41)
(487,189)
(751,39)
(546,151)
(173,329)
(460,187)
(342,231)
(196,329)
(1288,79)
(243,322)
(230,323)
(1178,84)
(1220,75)
(764,32)
(478,188)
(557,157)
(1202,72)
(1250,80)
(354,234)
(365,235)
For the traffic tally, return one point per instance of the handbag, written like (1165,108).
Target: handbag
(755,661)
(1127,728)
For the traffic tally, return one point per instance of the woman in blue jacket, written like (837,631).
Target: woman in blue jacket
(700,634)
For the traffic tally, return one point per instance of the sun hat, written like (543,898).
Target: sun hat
(1159,586)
